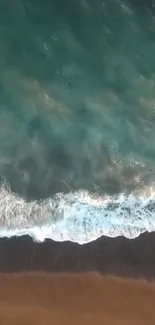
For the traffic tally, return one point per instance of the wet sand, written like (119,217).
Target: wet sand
(68,299)
(117,256)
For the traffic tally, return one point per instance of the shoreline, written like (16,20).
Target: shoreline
(117,256)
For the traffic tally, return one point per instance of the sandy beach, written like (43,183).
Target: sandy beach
(67,299)
(109,281)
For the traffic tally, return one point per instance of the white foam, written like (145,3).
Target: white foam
(80,217)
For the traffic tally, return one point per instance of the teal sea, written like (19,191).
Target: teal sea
(77,118)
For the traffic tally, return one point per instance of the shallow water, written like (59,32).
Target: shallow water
(77,98)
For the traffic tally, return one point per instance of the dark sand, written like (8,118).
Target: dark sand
(117,256)
(45,299)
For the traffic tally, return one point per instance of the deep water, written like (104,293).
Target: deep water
(77,118)
(77,96)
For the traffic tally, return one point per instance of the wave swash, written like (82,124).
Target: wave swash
(80,217)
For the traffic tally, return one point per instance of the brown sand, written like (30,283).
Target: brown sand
(68,299)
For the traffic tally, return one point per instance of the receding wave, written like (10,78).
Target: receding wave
(79,216)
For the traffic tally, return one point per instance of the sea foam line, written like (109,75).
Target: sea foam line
(80,217)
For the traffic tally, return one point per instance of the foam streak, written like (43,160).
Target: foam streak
(80,217)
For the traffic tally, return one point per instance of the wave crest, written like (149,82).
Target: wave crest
(80,216)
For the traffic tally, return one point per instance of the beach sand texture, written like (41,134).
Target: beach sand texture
(67,299)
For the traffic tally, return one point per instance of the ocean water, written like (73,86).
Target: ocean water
(77,118)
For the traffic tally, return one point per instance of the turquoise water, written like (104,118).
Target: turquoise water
(77,101)
(77,95)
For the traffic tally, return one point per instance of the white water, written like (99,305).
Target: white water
(80,217)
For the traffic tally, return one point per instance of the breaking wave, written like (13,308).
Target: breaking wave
(80,216)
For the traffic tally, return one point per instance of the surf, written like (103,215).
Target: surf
(77,216)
